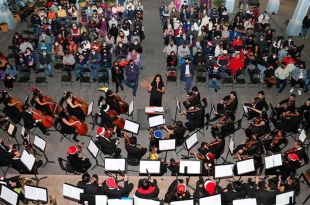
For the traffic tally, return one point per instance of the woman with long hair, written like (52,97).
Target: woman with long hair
(156,90)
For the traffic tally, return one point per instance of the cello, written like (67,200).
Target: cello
(81,127)
(78,100)
(17,104)
(52,106)
(122,105)
(117,120)
(46,120)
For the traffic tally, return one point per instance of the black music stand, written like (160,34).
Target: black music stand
(177,108)
(188,144)
(26,139)
(40,144)
(132,127)
(230,150)
(131,110)
(11,130)
(189,173)
(167,145)
(94,150)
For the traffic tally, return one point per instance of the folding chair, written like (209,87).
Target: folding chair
(5,168)
(85,77)
(103,76)
(65,165)
(40,77)
(24,78)
(171,76)
(65,78)
(240,79)
(228,81)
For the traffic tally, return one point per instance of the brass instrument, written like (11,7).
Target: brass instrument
(25,181)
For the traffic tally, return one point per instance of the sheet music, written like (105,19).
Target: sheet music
(22,132)
(158,109)
(245,109)
(92,148)
(183,202)
(120,201)
(35,193)
(130,109)
(139,201)
(71,192)
(111,164)
(28,160)
(245,166)
(149,109)
(273,161)
(284,199)
(131,127)
(153,166)
(277,160)
(90,108)
(8,195)
(214,200)
(302,137)
(193,166)
(156,120)
(231,145)
(101,200)
(11,129)
(250,201)
(191,141)
(39,142)
(224,171)
(165,145)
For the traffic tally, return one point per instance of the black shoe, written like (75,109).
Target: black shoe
(46,133)
(78,78)
(122,88)
(76,140)
(94,80)
(215,90)
(50,76)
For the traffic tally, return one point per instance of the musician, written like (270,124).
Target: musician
(248,147)
(195,116)
(134,150)
(216,147)
(305,111)
(223,126)
(13,183)
(112,190)
(12,107)
(30,122)
(79,164)
(265,194)
(205,188)
(299,150)
(108,145)
(66,127)
(156,89)
(153,153)
(176,132)
(258,103)
(228,104)
(109,99)
(285,105)
(208,163)
(73,109)
(37,102)
(259,126)
(234,190)
(5,153)
(177,191)
(193,98)
(273,144)
(20,167)
(89,184)
(289,120)
(147,189)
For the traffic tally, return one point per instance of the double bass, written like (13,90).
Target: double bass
(81,127)
(46,120)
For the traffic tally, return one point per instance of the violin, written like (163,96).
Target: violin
(81,127)
(255,101)
(277,139)
(17,104)
(117,120)
(46,120)
(122,105)
(290,151)
(78,100)
(52,106)
(250,144)
(212,143)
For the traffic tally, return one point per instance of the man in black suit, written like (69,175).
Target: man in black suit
(20,167)
(193,98)
(113,190)
(300,151)
(177,191)
(195,117)
(234,190)
(147,189)
(107,145)
(258,103)
(5,153)
(134,151)
(89,184)
(264,194)
(79,164)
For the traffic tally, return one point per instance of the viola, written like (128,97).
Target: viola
(81,127)
(117,120)
(51,105)
(46,120)
(250,144)
(122,105)
(17,104)
(78,100)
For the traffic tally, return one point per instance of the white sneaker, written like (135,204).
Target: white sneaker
(299,92)
(291,90)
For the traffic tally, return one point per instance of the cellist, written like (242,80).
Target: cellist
(12,107)
(74,109)
(37,102)
(66,127)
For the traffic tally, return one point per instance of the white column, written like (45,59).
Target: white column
(230,4)
(6,15)
(294,25)
(273,6)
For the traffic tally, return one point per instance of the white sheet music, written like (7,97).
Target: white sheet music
(111,164)
(92,148)
(214,200)
(139,201)
(131,127)
(156,120)
(22,132)
(245,109)
(166,145)
(224,170)
(71,191)
(250,201)
(191,141)
(158,109)
(28,160)
(90,108)
(284,199)
(8,195)
(149,109)
(101,200)
(231,145)
(273,161)
(39,142)
(193,166)
(11,129)
(183,202)
(153,166)
(35,193)
(120,201)
(302,136)
(131,108)
(245,166)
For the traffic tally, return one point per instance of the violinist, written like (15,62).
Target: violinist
(30,122)
(285,105)
(205,188)
(216,147)
(177,191)
(259,126)
(224,125)
(5,153)
(111,189)
(305,111)
(79,164)
(247,148)
(134,150)
(208,163)
(37,102)
(12,107)
(289,120)
(195,116)
(108,145)
(66,127)
(147,189)
(299,150)
(228,104)
(20,167)
(272,144)
(74,107)
(193,98)
(176,132)
(258,103)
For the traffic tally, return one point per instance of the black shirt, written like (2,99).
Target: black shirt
(155,94)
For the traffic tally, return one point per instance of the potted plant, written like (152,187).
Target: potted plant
(4,27)
(218,3)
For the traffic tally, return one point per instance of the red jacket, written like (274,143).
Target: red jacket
(236,64)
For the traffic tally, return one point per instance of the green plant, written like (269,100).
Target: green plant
(218,3)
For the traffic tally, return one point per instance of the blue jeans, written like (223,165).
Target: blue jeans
(188,83)
(133,84)
(48,69)
(281,84)
(79,69)
(307,84)
(304,32)
(94,70)
(214,84)
(261,70)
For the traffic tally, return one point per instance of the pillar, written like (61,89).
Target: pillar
(273,6)
(230,4)
(294,25)
(6,15)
